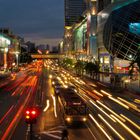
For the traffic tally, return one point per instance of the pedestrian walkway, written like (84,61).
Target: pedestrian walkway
(55,133)
(115,88)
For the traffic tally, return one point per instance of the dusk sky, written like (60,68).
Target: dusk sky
(39,21)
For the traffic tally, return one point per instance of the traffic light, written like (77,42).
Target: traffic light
(31,115)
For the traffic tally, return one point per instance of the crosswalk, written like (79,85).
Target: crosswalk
(54,133)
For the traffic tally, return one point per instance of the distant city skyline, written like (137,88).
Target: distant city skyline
(39,21)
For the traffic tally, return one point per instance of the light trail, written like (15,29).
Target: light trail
(102,84)
(102,118)
(98,125)
(117,101)
(111,111)
(106,93)
(16,118)
(14,85)
(102,111)
(14,121)
(6,114)
(13,77)
(21,87)
(137,101)
(93,85)
(127,128)
(21,92)
(129,104)
(52,135)
(54,103)
(91,94)
(46,108)
(133,123)
(98,93)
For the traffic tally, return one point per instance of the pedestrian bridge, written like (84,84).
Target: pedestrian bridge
(47,56)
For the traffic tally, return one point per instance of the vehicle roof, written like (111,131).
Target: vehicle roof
(70,96)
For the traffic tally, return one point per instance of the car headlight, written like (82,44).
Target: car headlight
(84,119)
(68,119)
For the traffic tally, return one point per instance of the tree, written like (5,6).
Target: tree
(97,69)
(68,63)
(91,67)
(79,67)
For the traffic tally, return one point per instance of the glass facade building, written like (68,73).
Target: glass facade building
(5,43)
(80,38)
(73,11)
(119,29)
(118,33)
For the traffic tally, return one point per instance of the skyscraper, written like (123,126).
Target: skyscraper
(73,11)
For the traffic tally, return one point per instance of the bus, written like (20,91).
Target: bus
(73,108)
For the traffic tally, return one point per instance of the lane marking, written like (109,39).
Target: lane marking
(99,126)
(52,135)
(54,104)
(6,114)
(48,104)
(91,132)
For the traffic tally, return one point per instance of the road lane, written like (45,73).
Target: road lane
(11,117)
(117,106)
(104,110)
(51,122)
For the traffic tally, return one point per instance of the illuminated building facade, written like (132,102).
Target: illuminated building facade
(4,48)
(9,49)
(73,11)
(119,32)
(80,39)
(109,33)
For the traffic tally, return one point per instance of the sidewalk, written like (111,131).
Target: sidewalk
(105,82)
(115,88)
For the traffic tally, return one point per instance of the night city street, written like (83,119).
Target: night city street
(70,70)
(111,115)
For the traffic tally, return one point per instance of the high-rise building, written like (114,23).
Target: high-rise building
(101,4)
(73,11)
